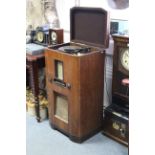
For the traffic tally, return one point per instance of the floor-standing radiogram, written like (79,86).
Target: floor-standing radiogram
(75,75)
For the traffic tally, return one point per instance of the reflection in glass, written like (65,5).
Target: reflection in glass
(119,26)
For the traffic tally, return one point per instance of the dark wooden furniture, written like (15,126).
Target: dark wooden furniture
(48,36)
(117,114)
(116,123)
(33,63)
(120,91)
(56,36)
(75,81)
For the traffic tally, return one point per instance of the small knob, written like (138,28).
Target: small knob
(68,85)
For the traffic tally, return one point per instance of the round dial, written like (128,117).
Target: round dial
(124,58)
(53,36)
(40,36)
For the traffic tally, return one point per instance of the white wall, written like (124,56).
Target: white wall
(34,13)
(63,8)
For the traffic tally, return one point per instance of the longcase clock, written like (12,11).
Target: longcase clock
(116,118)
(120,82)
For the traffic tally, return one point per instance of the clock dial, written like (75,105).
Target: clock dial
(124,58)
(53,36)
(40,36)
(59,70)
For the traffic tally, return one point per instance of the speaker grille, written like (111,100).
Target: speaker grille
(61,107)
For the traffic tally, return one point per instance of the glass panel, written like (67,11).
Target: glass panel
(61,107)
(120,27)
(59,69)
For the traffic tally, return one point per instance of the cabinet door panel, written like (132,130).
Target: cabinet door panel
(63,78)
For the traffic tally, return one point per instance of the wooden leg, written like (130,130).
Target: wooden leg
(35,86)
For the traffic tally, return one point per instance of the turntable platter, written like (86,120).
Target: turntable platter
(69,49)
(74,49)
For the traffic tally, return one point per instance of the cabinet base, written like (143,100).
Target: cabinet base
(75,138)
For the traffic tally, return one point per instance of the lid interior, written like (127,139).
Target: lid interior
(89,25)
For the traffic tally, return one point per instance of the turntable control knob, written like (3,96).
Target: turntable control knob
(68,85)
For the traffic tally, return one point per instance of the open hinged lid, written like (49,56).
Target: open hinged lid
(89,26)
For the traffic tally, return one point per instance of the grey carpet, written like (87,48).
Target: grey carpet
(41,139)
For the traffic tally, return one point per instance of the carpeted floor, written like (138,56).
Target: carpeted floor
(41,139)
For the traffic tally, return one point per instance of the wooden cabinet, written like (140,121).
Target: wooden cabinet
(75,92)
(75,75)
(116,123)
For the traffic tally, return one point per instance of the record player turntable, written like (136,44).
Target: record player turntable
(75,75)
(76,50)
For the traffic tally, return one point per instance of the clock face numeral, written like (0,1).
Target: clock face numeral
(40,36)
(53,36)
(124,58)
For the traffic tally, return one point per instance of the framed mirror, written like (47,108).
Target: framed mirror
(119,26)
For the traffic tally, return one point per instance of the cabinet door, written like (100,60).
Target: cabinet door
(62,72)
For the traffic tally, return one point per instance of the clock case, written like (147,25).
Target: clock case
(47,41)
(83,76)
(116,119)
(45,31)
(120,92)
(60,37)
